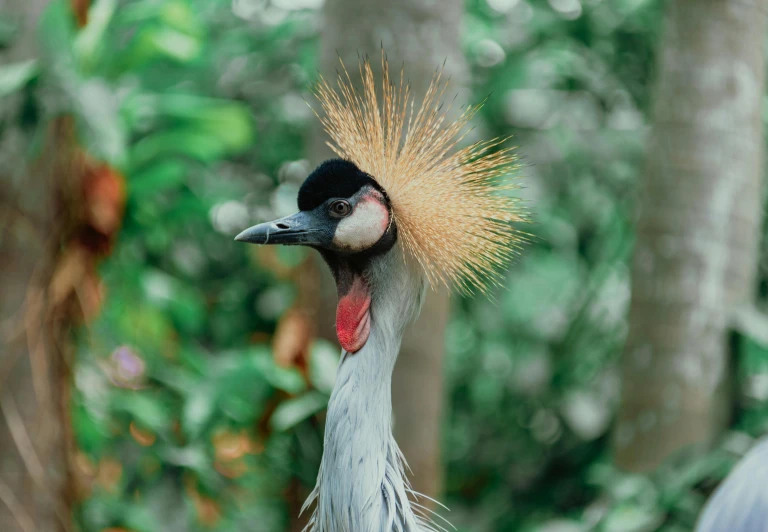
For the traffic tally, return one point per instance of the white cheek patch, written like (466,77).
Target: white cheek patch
(364,227)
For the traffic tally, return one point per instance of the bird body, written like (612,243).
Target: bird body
(401,209)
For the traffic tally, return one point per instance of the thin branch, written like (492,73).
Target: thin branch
(22,440)
(9,362)
(17,509)
(39,363)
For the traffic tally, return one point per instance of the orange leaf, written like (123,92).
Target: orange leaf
(68,275)
(229,445)
(104,193)
(290,345)
(80,9)
(110,472)
(234,469)
(143,437)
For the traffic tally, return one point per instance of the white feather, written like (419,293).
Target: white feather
(361,486)
(364,227)
(740,503)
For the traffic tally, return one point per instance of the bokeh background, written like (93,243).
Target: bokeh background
(157,376)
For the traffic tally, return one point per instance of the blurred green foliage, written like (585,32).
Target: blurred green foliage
(183,417)
(181,414)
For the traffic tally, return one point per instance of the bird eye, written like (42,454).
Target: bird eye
(340,208)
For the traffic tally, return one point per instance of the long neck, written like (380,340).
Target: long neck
(361,486)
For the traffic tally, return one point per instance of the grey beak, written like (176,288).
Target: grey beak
(297,229)
(258,234)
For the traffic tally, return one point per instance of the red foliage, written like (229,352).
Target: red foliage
(80,10)
(103,191)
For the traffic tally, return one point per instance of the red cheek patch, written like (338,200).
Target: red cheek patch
(353,319)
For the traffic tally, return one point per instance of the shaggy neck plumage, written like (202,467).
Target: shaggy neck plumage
(361,486)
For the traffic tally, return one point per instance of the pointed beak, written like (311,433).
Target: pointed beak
(297,229)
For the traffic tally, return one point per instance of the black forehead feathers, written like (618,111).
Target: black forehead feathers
(335,178)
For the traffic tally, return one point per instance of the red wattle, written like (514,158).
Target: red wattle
(353,319)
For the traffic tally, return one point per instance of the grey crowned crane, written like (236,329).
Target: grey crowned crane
(402,208)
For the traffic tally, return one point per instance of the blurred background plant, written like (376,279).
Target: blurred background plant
(190,406)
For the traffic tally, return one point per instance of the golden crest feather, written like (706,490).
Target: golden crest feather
(452,205)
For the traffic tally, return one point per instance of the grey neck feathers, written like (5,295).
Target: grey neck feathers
(361,486)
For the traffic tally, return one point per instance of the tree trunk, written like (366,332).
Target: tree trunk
(34,429)
(698,229)
(421,34)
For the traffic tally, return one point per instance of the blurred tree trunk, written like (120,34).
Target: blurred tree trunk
(35,433)
(420,34)
(698,229)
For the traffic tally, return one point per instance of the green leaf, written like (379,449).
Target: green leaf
(56,33)
(194,457)
(89,43)
(203,128)
(294,411)
(139,518)
(323,362)
(188,309)
(155,178)
(173,44)
(91,431)
(99,111)
(750,324)
(291,256)
(633,518)
(198,411)
(146,409)
(8,30)
(561,525)
(545,283)
(229,122)
(16,75)
(286,379)
(143,325)
(183,381)
(159,43)
(139,11)
(180,141)
(180,16)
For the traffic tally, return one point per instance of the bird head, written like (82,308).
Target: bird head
(342,210)
(346,215)
(400,182)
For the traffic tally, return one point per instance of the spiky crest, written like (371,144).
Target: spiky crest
(452,205)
